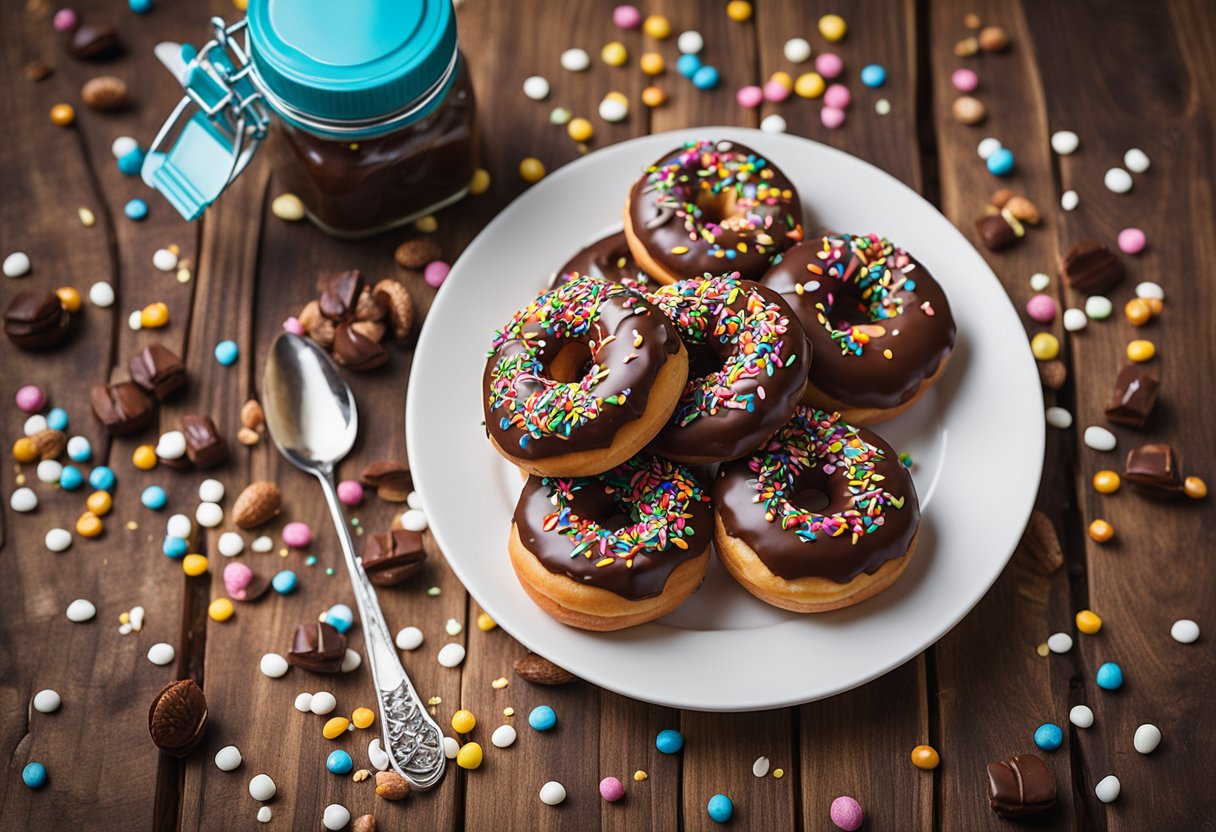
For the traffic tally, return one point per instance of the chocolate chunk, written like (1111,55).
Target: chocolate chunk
(1154,466)
(36,320)
(123,408)
(317,647)
(177,719)
(1134,397)
(1090,267)
(391,558)
(204,445)
(158,370)
(339,293)
(995,232)
(356,351)
(1020,786)
(94,42)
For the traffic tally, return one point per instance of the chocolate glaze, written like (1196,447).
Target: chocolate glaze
(660,229)
(618,316)
(1022,785)
(869,379)
(608,258)
(836,558)
(650,571)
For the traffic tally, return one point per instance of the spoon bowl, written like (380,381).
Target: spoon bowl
(310,429)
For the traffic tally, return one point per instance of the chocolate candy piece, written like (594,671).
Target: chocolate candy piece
(317,647)
(339,293)
(94,42)
(391,558)
(1154,466)
(1134,397)
(1020,786)
(357,351)
(36,320)
(123,408)
(1090,267)
(204,445)
(158,370)
(177,719)
(995,232)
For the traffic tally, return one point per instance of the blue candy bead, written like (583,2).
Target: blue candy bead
(1000,163)
(339,762)
(132,162)
(226,352)
(706,78)
(873,75)
(340,617)
(720,808)
(687,65)
(57,419)
(174,547)
(70,478)
(140,6)
(78,451)
(155,498)
(285,582)
(136,209)
(542,718)
(669,741)
(1110,676)
(102,478)
(34,775)
(1048,736)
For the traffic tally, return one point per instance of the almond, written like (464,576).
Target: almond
(391,786)
(248,437)
(318,327)
(258,504)
(361,775)
(400,306)
(416,253)
(252,415)
(1023,209)
(49,444)
(105,93)
(177,719)
(363,823)
(540,671)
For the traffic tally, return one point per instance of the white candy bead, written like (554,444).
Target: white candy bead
(336,817)
(1039,281)
(451,655)
(179,525)
(303,702)
(1075,319)
(58,540)
(1081,716)
(450,748)
(1107,789)
(172,445)
(552,793)
(575,60)
(17,264)
(1059,643)
(136,618)
(231,544)
(101,294)
(323,702)
(164,260)
(264,814)
(273,665)
(262,544)
(414,500)
(261,787)
(351,661)
(1098,307)
(1136,160)
(228,758)
(1069,200)
(210,491)
(774,124)
(81,610)
(47,701)
(1058,417)
(135,321)
(79,448)
(760,767)
(23,499)
(503,736)
(34,424)
(1147,738)
(209,515)
(690,42)
(1099,438)
(412,520)
(122,146)
(1117,180)
(797,50)
(613,110)
(49,471)
(536,88)
(988,146)
(161,653)
(409,638)
(1150,290)
(1065,142)
(453,627)
(1184,631)
(377,756)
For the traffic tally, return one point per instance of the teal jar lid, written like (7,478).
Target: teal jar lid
(351,63)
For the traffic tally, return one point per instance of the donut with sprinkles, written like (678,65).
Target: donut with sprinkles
(823,516)
(748,365)
(711,208)
(880,324)
(608,258)
(581,379)
(614,550)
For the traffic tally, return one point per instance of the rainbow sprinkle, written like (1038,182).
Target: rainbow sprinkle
(658,496)
(878,274)
(815,439)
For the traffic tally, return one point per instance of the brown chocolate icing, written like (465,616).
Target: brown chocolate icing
(608,259)
(862,375)
(606,501)
(669,194)
(786,549)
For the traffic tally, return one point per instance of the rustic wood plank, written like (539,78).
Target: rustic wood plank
(628,729)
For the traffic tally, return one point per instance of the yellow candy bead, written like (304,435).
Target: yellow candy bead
(335,728)
(144,457)
(1106,482)
(469,755)
(1155,305)
(221,609)
(783,79)
(578,129)
(657,26)
(778,773)
(925,757)
(62,115)
(1088,622)
(1045,346)
(1101,531)
(463,721)
(154,315)
(480,182)
(100,503)
(194,565)
(1194,487)
(833,27)
(617,96)
(89,525)
(614,54)
(1141,350)
(739,10)
(531,169)
(652,63)
(427,224)
(485,623)
(1138,312)
(69,298)
(654,97)
(240,5)
(24,450)
(640,775)
(363,717)
(809,85)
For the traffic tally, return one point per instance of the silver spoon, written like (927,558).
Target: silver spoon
(311,414)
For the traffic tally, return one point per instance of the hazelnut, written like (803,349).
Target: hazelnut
(105,93)
(993,39)
(969,110)
(252,415)
(1023,209)
(391,786)
(363,823)
(371,306)
(318,327)
(1001,197)
(400,306)
(416,253)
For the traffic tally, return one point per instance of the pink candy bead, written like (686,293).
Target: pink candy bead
(749,97)
(612,789)
(1041,308)
(297,535)
(626,17)
(435,273)
(350,492)
(30,398)
(829,64)
(64,20)
(237,577)
(775,91)
(832,117)
(293,325)
(1132,241)
(846,813)
(838,96)
(965,80)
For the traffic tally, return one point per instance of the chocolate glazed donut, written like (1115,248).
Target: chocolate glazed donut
(880,324)
(610,259)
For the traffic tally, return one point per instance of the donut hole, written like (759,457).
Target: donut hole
(572,362)
(702,361)
(715,208)
(812,491)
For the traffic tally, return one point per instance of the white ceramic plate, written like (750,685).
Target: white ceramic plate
(724,650)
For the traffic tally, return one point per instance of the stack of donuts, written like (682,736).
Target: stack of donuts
(706,376)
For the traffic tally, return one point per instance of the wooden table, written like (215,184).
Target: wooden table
(1141,74)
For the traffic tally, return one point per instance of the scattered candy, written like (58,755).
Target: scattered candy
(1117,180)
(968,110)
(654,97)
(57,418)
(687,65)
(288,207)
(1069,200)
(451,655)
(838,96)
(285,582)
(984,149)
(469,756)
(1195,488)
(1106,482)
(739,10)
(101,294)
(47,701)
(154,497)
(1132,241)
(1001,162)
(339,762)
(691,43)
(1100,531)
(451,748)
(925,757)
(797,50)
(231,544)
(79,449)
(614,54)
(264,812)
(652,64)
(1041,308)
(322,703)
(1147,738)
(335,817)
(1141,350)
(1059,643)
(1088,622)
(262,544)
(832,117)
(873,75)
(1184,631)
(809,85)
(750,97)
(335,727)
(882,106)
(70,478)
(463,722)
(409,638)
(1081,716)
(58,540)
(504,737)
(1136,160)
(273,665)
(297,535)
(485,623)
(228,758)
(1048,736)
(833,27)
(846,813)
(1065,142)
(221,609)
(720,808)
(669,741)
(1075,319)
(161,653)
(614,107)
(179,525)
(706,78)
(1045,346)
(531,169)
(657,27)
(209,515)
(965,80)
(773,123)
(261,787)
(536,87)
(340,617)
(542,718)
(1107,789)
(62,115)
(575,60)
(1099,308)
(227,352)
(829,64)
(136,209)
(1109,676)
(23,500)
(1099,438)
(34,775)
(552,793)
